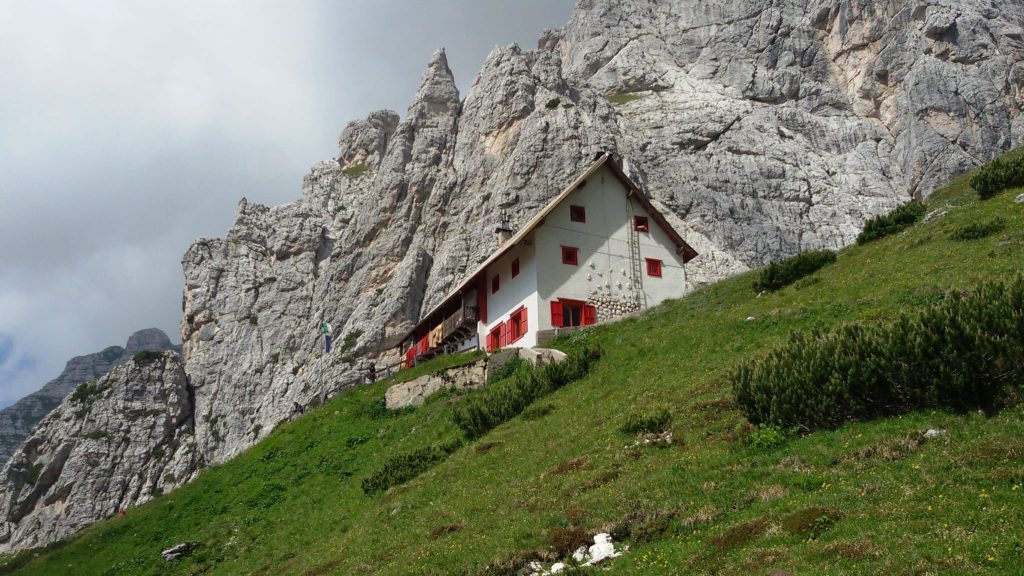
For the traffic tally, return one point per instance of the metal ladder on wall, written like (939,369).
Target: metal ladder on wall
(636,274)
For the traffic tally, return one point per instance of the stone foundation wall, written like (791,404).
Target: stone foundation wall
(612,308)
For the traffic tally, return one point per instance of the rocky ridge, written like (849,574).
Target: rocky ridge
(762,129)
(111,444)
(18,420)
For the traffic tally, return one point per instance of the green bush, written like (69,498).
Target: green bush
(621,99)
(537,411)
(553,103)
(508,370)
(781,274)
(147,356)
(896,221)
(997,176)
(32,476)
(646,422)
(356,170)
(87,392)
(977,231)
(404,467)
(767,437)
(480,412)
(962,353)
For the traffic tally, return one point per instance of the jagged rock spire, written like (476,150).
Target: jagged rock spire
(438,92)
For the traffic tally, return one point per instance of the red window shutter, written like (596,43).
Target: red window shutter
(589,315)
(495,284)
(515,267)
(653,267)
(577,213)
(502,335)
(556,314)
(570,255)
(481,298)
(523,327)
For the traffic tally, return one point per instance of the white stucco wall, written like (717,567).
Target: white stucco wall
(513,293)
(604,266)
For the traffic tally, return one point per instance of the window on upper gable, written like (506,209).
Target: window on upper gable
(495,284)
(577,213)
(570,255)
(640,224)
(515,267)
(653,267)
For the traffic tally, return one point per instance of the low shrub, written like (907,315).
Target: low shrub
(997,176)
(896,221)
(646,422)
(537,411)
(565,540)
(356,170)
(979,230)
(32,476)
(481,411)
(810,522)
(781,274)
(88,392)
(147,356)
(553,103)
(507,370)
(622,99)
(768,437)
(404,467)
(963,353)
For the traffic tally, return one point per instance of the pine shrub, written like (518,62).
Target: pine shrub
(896,221)
(147,356)
(479,413)
(404,467)
(997,176)
(646,422)
(964,353)
(781,274)
(979,230)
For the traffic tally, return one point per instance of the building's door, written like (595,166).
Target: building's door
(572,314)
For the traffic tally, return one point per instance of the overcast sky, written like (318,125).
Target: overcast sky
(127,129)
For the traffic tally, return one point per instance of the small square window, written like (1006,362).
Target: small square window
(640,224)
(653,267)
(577,213)
(495,284)
(515,267)
(570,255)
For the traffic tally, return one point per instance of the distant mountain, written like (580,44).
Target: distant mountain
(17,421)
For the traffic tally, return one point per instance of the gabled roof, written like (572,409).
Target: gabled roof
(602,159)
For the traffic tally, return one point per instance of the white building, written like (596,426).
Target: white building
(599,250)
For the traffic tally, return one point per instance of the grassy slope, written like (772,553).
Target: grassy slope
(293,505)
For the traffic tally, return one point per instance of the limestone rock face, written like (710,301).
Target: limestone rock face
(761,129)
(415,392)
(17,421)
(110,445)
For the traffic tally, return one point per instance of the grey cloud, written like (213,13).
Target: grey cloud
(127,129)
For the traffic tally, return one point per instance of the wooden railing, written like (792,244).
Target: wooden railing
(461,318)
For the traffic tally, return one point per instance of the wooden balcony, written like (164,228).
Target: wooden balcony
(455,329)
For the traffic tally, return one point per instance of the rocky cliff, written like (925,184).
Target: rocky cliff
(764,129)
(17,420)
(111,444)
